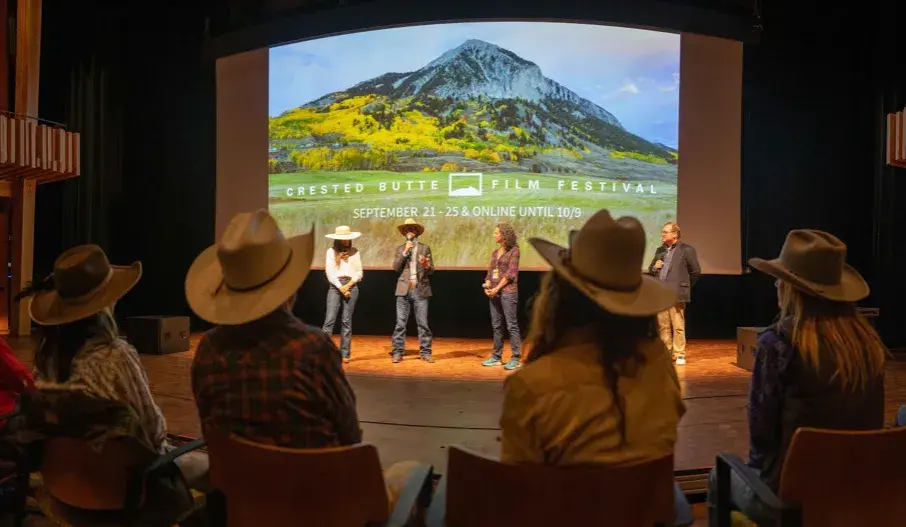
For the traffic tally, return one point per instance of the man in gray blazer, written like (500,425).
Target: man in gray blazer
(413,289)
(676,263)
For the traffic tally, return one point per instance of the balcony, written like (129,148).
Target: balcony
(32,150)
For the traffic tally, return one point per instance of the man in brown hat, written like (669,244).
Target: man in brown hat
(413,289)
(263,374)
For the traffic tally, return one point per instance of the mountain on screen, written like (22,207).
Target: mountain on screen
(476,107)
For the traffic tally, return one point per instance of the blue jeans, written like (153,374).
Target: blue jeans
(404,305)
(742,497)
(335,300)
(503,312)
(901,416)
(681,508)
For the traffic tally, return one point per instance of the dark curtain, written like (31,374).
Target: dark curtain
(890,185)
(82,87)
(91,202)
(133,83)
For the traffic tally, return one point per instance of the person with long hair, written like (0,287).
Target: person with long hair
(502,289)
(343,267)
(598,386)
(820,365)
(81,350)
(80,346)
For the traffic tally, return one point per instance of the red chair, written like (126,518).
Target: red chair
(16,381)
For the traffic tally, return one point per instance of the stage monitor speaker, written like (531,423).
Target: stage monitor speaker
(158,335)
(746,339)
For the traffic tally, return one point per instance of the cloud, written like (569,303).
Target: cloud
(629,87)
(621,69)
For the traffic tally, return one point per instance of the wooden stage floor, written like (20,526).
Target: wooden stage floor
(413,410)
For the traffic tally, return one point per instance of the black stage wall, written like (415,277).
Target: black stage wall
(815,82)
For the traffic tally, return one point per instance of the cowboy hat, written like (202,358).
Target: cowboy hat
(343,232)
(419,228)
(83,284)
(815,263)
(250,273)
(604,262)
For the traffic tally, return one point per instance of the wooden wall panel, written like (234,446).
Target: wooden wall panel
(4,55)
(28,64)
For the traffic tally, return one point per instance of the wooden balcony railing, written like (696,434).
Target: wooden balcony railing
(896,139)
(31,150)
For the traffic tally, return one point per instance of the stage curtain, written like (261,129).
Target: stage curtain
(95,111)
(889,252)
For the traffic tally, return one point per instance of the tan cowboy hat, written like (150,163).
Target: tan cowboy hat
(604,262)
(815,262)
(343,232)
(250,273)
(83,284)
(411,223)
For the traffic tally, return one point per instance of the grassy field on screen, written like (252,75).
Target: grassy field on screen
(458,241)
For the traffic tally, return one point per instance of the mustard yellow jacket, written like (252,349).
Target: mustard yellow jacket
(559,410)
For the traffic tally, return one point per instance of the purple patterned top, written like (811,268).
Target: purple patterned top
(772,357)
(505,265)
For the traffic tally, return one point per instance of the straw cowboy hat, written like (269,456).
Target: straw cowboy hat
(604,262)
(343,232)
(815,262)
(419,228)
(250,273)
(83,284)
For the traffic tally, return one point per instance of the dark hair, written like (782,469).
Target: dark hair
(60,344)
(559,306)
(342,248)
(508,233)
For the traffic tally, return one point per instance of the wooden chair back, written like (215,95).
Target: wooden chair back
(266,485)
(846,477)
(484,492)
(81,477)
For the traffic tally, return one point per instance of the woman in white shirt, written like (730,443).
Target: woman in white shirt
(343,267)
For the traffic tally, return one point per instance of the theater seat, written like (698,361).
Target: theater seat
(327,487)
(831,478)
(478,491)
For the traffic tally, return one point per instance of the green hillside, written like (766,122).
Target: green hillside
(373,132)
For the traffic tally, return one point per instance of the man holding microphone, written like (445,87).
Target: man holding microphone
(413,289)
(676,263)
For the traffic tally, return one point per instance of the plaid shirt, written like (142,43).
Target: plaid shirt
(275,381)
(506,265)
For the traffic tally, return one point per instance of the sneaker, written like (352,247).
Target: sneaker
(680,360)
(346,360)
(512,364)
(396,358)
(428,358)
(492,362)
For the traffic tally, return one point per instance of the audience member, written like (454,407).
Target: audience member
(81,349)
(263,374)
(14,379)
(599,385)
(820,365)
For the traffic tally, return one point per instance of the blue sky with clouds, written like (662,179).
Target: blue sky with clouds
(632,73)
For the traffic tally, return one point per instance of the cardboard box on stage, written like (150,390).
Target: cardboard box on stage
(158,335)
(746,339)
